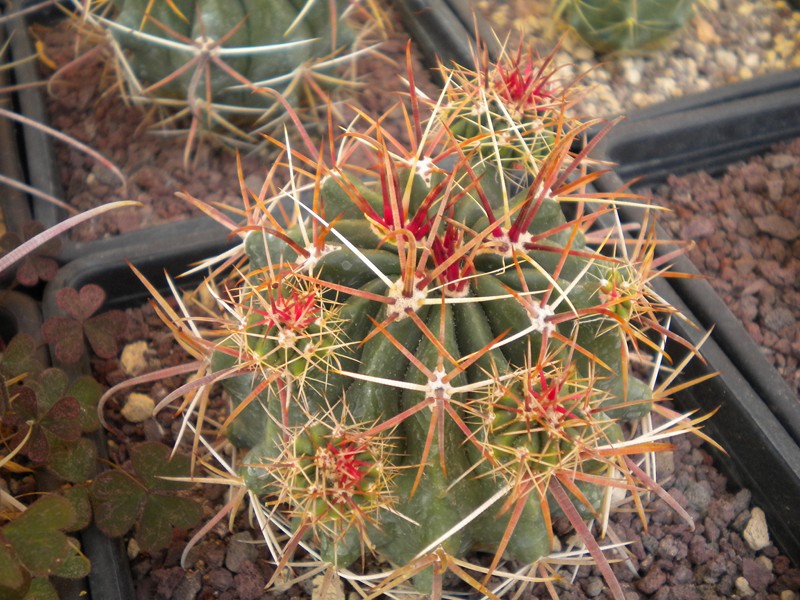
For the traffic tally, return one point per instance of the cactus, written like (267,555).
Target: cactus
(610,26)
(509,108)
(428,359)
(221,63)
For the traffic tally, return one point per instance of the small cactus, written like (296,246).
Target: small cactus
(431,359)
(620,25)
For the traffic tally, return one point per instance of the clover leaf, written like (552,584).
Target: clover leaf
(143,499)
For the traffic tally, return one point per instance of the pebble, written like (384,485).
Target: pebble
(777,226)
(743,588)
(133,358)
(138,408)
(327,588)
(756,532)
(240,550)
(758,577)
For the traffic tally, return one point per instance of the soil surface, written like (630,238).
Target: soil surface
(728,553)
(726,41)
(745,225)
(84,103)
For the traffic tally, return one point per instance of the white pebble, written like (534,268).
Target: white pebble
(726,60)
(756,533)
(138,408)
(743,588)
(133,358)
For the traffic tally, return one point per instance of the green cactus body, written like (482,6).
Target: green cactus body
(278,40)
(436,440)
(506,113)
(614,25)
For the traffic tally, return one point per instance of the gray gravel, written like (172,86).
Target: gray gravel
(727,41)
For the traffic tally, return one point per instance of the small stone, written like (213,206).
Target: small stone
(698,227)
(757,576)
(240,550)
(756,533)
(132,549)
(726,60)
(777,226)
(780,162)
(220,579)
(779,318)
(188,588)
(788,595)
(327,587)
(650,583)
(593,587)
(743,588)
(665,465)
(132,360)
(138,408)
(698,495)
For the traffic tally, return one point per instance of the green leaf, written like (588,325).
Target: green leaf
(74,565)
(87,392)
(78,497)
(73,461)
(36,535)
(104,332)
(120,500)
(151,462)
(41,589)
(20,357)
(13,579)
(62,420)
(117,500)
(161,514)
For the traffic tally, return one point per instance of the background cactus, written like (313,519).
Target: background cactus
(424,364)
(612,25)
(213,60)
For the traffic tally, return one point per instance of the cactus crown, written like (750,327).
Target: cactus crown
(427,359)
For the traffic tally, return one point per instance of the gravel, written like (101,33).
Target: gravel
(727,41)
(747,242)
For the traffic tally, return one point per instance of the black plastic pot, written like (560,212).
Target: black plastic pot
(758,422)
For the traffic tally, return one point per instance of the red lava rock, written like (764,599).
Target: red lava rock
(757,575)
(220,579)
(758,208)
(652,581)
(777,226)
(250,582)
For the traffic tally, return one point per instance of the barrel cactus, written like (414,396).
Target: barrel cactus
(428,360)
(220,62)
(620,25)
(508,108)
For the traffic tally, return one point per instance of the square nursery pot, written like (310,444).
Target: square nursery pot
(758,417)
(430,24)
